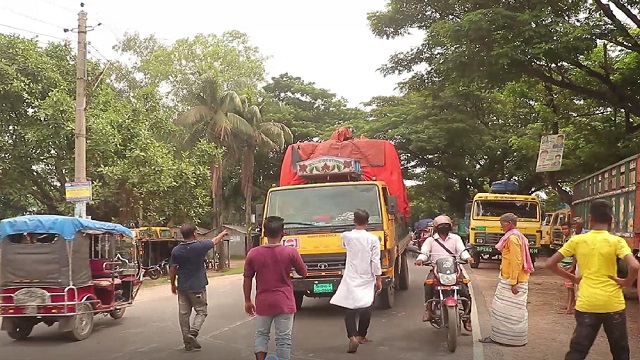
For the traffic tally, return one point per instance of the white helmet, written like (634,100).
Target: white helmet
(442,219)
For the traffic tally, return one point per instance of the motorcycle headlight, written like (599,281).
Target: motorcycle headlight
(448,279)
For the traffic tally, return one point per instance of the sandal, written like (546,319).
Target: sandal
(488,340)
(467,326)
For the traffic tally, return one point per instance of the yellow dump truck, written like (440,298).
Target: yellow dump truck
(484,225)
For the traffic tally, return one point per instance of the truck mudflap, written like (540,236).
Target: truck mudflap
(326,287)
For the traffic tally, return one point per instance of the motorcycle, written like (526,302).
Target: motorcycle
(164,267)
(447,307)
(152,272)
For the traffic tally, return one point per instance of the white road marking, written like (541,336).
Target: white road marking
(478,350)
(208,336)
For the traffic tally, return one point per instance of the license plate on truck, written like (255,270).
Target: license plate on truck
(322,288)
(484,249)
(533,250)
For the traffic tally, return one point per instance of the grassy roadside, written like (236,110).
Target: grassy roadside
(237,267)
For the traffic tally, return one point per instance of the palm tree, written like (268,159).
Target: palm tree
(265,136)
(215,119)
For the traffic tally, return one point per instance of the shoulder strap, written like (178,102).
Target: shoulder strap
(444,247)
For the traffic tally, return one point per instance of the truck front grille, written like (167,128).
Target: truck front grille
(494,238)
(325,262)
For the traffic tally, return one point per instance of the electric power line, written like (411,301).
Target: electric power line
(32,18)
(32,32)
(58,6)
(98,52)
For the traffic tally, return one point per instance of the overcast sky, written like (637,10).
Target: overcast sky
(327,42)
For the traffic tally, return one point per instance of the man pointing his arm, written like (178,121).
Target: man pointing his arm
(187,264)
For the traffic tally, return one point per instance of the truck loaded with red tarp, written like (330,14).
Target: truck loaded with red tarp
(378,159)
(321,187)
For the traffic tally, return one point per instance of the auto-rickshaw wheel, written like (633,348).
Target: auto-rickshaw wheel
(117,313)
(20,330)
(83,323)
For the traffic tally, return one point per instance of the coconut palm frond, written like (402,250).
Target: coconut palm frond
(265,145)
(196,115)
(239,125)
(277,133)
(230,102)
(202,100)
(217,127)
(195,134)
(253,116)
(244,102)
(211,89)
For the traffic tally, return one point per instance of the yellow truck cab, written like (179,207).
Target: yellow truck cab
(484,225)
(559,218)
(545,241)
(317,196)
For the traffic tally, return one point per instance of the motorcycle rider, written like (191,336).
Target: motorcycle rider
(444,243)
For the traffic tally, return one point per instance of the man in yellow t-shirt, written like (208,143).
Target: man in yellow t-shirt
(600,300)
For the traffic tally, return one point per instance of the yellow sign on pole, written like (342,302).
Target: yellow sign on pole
(78,191)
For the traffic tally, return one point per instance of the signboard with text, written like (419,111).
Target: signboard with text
(78,191)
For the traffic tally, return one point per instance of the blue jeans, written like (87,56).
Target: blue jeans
(284,327)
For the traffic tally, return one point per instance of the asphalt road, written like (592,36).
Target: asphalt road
(149,330)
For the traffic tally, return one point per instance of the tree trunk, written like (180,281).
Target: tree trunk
(248,162)
(566,196)
(216,193)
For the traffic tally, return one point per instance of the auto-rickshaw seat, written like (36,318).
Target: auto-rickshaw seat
(106,282)
(98,270)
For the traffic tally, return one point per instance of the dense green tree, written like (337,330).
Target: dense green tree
(178,67)
(564,66)
(137,175)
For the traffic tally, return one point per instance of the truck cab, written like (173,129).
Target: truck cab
(559,218)
(545,241)
(318,212)
(484,227)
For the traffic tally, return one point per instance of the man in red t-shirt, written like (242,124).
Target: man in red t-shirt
(271,265)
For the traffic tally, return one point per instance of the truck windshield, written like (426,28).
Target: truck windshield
(547,219)
(324,205)
(495,208)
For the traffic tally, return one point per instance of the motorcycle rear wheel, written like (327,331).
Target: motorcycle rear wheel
(453,323)
(154,274)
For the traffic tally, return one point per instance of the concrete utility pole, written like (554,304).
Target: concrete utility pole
(81,102)
(80,191)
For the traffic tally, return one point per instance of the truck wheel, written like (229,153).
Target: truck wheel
(299,298)
(386,297)
(476,261)
(403,283)
(20,329)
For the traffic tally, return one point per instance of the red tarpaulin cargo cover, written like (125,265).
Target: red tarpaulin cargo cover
(378,158)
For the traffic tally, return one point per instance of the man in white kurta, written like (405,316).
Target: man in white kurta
(361,279)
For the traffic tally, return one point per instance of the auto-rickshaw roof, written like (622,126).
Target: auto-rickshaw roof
(65,226)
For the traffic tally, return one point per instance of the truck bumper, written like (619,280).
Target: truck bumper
(326,287)
(492,251)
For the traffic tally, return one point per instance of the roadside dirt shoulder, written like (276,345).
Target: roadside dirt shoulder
(550,330)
